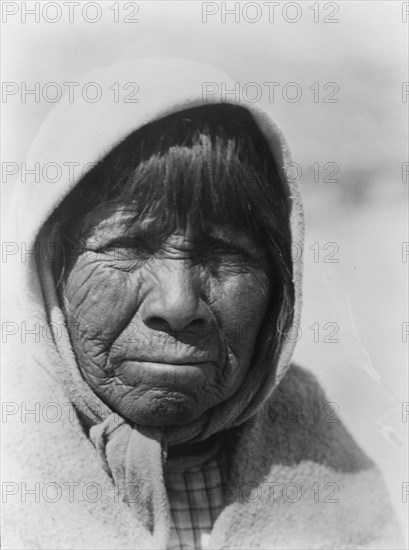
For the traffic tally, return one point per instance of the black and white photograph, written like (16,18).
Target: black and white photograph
(205,256)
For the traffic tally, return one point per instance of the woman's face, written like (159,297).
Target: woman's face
(163,328)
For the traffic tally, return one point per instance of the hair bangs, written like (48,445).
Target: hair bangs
(198,186)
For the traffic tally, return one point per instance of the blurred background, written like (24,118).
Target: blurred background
(349,156)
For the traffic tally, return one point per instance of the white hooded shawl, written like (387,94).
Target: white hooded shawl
(293,483)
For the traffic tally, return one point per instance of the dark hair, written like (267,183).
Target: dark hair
(206,165)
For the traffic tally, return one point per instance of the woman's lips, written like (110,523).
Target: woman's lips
(172,362)
(173,374)
(178,365)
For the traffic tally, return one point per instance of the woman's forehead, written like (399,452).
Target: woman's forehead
(118,220)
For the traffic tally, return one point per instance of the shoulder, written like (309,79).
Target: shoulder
(299,479)
(307,424)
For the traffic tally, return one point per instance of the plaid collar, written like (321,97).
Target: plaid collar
(195,490)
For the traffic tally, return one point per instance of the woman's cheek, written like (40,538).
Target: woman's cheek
(241,303)
(98,292)
(99,304)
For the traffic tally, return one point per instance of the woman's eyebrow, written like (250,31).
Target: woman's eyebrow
(230,236)
(126,224)
(240,241)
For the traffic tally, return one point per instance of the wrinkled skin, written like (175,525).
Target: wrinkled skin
(161,330)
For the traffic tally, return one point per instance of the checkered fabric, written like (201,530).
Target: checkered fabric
(195,492)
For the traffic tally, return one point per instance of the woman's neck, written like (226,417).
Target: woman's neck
(193,453)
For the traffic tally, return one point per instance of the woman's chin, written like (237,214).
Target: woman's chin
(170,410)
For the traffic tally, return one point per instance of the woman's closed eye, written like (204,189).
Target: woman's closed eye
(128,249)
(232,252)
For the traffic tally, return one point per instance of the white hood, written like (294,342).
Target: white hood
(77,135)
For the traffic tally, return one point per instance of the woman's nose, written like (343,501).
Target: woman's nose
(173,302)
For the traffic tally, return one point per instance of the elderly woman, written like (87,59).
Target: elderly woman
(159,408)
